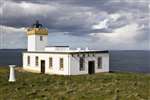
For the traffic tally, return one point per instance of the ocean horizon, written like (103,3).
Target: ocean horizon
(120,60)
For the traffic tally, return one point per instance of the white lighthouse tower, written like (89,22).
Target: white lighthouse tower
(37,37)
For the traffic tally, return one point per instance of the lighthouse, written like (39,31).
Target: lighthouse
(60,60)
(37,37)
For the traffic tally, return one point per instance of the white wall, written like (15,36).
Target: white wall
(31,43)
(71,63)
(44,56)
(74,64)
(32,66)
(105,63)
(34,43)
(56,48)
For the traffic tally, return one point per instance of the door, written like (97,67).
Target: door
(42,66)
(91,67)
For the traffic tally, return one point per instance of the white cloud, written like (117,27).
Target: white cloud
(121,38)
(101,25)
(120,34)
(11,37)
(7,29)
(25,8)
(115,16)
(1,7)
(104,23)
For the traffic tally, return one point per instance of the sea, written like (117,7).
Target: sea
(120,60)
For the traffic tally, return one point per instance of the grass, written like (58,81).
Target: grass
(102,86)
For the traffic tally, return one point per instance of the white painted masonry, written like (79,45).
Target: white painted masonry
(75,61)
(71,63)
(45,56)
(74,64)
(57,48)
(35,44)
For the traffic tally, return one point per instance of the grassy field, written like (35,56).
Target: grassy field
(102,86)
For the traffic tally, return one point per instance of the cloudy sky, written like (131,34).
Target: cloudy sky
(98,24)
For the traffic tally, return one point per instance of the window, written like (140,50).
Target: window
(28,60)
(41,38)
(50,62)
(36,61)
(82,64)
(61,63)
(99,62)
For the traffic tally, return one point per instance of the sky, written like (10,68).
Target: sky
(97,24)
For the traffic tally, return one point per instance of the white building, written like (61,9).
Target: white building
(60,60)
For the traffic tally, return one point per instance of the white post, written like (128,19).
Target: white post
(12,73)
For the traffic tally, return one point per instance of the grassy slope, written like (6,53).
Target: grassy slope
(102,86)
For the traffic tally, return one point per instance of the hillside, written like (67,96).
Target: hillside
(102,86)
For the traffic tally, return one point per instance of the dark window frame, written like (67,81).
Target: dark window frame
(28,60)
(50,62)
(41,38)
(99,62)
(61,63)
(82,63)
(36,61)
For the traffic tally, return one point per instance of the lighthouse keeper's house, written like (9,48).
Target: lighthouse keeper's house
(60,60)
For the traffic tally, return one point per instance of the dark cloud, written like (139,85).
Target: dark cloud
(76,17)
(66,9)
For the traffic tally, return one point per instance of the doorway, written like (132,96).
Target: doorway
(42,66)
(91,67)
